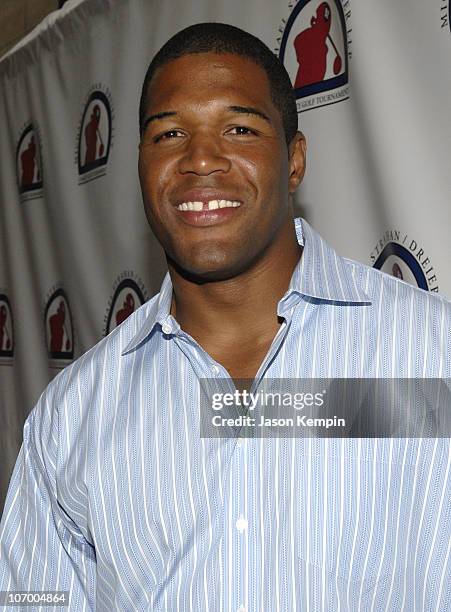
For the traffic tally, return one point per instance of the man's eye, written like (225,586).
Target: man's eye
(242,130)
(169,134)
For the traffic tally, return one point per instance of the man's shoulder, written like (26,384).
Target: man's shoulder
(406,329)
(388,290)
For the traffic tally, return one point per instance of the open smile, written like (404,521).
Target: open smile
(206,214)
(204,207)
(210,205)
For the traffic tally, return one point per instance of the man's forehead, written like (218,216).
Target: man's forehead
(193,73)
(211,58)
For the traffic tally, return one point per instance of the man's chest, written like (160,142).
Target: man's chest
(353,519)
(243,357)
(243,365)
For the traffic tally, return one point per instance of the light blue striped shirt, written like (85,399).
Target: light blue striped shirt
(117,499)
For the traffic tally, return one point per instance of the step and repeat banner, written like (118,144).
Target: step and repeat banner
(373,88)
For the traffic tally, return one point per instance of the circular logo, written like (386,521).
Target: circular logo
(127,297)
(59,329)
(401,256)
(6,329)
(314,50)
(445,14)
(94,138)
(29,163)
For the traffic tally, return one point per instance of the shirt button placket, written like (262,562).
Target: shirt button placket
(241,524)
(240,520)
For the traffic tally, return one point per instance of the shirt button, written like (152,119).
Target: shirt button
(240,442)
(241,523)
(166,328)
(215,370)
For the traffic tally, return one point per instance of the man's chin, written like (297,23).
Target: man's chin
(206,272)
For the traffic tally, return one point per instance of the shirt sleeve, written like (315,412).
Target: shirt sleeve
(41,548)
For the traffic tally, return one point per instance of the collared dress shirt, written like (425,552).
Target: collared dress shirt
(117,499)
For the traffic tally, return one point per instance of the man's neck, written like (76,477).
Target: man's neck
(242,307)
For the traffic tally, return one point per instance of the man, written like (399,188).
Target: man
(115,496)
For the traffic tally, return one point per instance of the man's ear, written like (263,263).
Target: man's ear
(297,153)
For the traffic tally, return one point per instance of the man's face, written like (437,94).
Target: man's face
(215,135)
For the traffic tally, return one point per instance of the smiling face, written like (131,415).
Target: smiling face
(214,143)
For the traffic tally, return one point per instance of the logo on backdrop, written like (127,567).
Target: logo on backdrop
(129,293)
(401,255)
(445,13)
(29,163)
(59,330)
(6,331)
(315,47)
(94,135)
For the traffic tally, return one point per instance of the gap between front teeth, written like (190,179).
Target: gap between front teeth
(212,205)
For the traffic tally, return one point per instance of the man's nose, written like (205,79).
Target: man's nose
(204,155)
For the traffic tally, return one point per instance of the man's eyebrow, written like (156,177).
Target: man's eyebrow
(161,115)
(249,110)
(244,110)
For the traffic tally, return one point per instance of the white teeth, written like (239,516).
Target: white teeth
(212,205)
(190,206)
(193,205)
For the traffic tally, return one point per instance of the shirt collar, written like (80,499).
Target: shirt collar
(159,314)
(320,275)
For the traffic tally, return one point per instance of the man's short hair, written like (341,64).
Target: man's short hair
(224,38)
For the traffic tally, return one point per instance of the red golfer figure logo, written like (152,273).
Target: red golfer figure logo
(396,271)
(94,137)
(128,296)
(312,49)
(127,308)
(28,160)
(59,330)
(5,341)
(6,328)
(29,164)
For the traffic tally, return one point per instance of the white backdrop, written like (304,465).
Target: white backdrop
(373,89)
